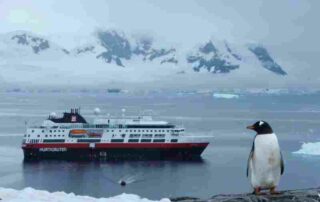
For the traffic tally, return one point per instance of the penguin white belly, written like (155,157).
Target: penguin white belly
(265,164)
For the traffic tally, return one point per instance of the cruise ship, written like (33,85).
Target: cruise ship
(111,138)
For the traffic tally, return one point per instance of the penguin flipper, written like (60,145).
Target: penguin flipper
(282,163)
(250,158)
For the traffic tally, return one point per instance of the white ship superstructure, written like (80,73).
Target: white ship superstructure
(71,136)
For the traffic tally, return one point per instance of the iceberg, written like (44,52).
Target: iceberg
(225,95)
(30,194)
(311,148)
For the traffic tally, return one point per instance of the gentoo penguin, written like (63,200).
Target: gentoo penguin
(265,163)
(122,183)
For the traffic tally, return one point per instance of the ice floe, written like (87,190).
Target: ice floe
(311,148)
(225,95)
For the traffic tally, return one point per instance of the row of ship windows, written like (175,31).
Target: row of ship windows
(141,131)
(50,131)
(118,131)
(99,140)
(47,135)
(123,135)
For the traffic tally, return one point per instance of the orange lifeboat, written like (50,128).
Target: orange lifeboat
(78,132)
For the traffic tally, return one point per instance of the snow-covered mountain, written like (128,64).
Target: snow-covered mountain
(145,58)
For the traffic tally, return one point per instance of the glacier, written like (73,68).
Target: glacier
(30,194)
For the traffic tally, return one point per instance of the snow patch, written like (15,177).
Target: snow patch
(311,148)
(225,96)
(30,194)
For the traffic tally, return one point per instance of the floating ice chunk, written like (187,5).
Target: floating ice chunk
(30,194)
(225,96)
(311,148)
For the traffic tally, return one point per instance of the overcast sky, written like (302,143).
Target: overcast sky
(273,22)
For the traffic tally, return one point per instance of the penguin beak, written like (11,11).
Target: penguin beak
(250,127)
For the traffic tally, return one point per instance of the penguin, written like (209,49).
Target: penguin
(265,163)
(122,183)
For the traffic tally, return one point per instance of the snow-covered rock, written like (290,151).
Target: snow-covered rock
(30,194)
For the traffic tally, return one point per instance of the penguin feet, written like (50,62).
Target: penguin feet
(257,191)
(273,191)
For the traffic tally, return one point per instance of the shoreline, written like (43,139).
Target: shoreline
(298,195)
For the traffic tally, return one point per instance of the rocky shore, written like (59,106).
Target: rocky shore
(301,195)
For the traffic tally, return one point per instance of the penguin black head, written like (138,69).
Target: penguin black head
(261,127)
(123,183)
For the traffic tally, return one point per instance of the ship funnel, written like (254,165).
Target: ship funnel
(96,111)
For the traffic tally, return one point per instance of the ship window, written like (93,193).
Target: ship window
(174,140)
(117,140)
(158,140)
(145,140)
(147,130)
(130,131)
(112,130)
(143,131)
(38,135)
(46,135)
(123,135)
(50,131)
(62,130)
(107,130)
(59,131)
(54,131)
(134,130)
(43,131)
(119,131)
(133,140)
(28,135)
(126,130)
(54,136)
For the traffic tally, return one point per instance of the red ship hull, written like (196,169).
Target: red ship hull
(114,151)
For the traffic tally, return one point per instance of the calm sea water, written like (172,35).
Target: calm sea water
(295,119)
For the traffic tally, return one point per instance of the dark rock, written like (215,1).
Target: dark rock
(217,63)
(66,51)
(170,60)
(155,53)
(303,195)
(266,60)
(117,47)
(38,44)
(236,56)
(85,49)
(208,48)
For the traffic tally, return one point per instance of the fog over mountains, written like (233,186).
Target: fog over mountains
(30,59)
(159,45)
